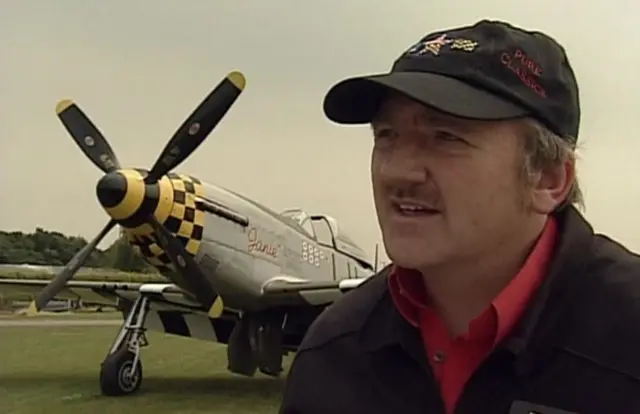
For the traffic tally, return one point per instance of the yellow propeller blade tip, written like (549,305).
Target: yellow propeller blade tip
(238,79)
(63,104)
(216,308)
(32,310)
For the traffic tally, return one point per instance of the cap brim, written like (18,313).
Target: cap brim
(356,100)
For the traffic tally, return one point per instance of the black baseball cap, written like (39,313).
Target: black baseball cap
(490,70)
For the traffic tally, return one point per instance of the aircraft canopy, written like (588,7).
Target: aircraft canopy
(326,230)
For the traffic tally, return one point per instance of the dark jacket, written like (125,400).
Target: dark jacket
(576,350)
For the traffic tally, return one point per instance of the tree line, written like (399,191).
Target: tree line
(52,248)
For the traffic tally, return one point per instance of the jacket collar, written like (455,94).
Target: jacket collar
(385,327)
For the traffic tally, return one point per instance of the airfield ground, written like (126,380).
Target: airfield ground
(53,369)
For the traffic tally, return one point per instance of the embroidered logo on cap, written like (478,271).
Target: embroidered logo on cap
(526,69)
(435,45)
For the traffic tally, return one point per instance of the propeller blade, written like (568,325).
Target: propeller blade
(57,284)
(198,125)
(184,263)
(87,136)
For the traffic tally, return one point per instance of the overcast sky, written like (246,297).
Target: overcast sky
(138,68)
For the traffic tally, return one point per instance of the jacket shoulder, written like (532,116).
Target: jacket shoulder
(615,269)
(348,314)
(607,302)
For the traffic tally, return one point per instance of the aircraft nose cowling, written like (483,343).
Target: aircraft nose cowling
(123,194)
(111,189)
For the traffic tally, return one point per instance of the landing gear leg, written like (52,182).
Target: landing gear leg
(121,370)
(265,339)
(239,352)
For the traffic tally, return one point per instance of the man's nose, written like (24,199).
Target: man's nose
(406,163)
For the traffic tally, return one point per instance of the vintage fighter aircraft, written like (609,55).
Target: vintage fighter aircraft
(238,273)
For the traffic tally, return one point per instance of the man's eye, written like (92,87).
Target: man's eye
(448,137)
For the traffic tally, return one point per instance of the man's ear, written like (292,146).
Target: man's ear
(551,186)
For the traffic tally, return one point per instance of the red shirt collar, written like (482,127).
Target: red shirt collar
(409,295)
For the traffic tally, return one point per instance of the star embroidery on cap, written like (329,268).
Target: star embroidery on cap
(432,46)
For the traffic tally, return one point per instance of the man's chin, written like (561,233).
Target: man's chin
(412,254)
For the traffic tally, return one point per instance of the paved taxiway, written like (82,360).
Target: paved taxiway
(6,323)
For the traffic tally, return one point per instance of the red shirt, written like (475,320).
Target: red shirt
(454,359)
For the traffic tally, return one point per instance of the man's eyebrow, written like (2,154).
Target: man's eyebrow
(449,122)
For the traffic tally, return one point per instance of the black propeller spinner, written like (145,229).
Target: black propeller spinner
(112,188)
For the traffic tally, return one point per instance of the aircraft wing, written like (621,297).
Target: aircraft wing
(300,291)
(280,289)
(105,293)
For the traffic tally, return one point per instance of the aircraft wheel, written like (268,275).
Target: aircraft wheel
(118,375)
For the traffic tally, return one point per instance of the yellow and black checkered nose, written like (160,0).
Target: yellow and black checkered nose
(180,213)
(172,200)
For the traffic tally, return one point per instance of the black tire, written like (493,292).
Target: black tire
(114,374)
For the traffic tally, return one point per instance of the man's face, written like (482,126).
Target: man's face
(445,189)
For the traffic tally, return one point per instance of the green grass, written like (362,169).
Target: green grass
(55,371)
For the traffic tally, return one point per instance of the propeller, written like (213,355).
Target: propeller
(87,136)
(113,185)
(70,269)
(197,126)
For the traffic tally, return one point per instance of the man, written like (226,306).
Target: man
(500,298)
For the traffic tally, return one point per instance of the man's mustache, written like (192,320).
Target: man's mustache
(426,194)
